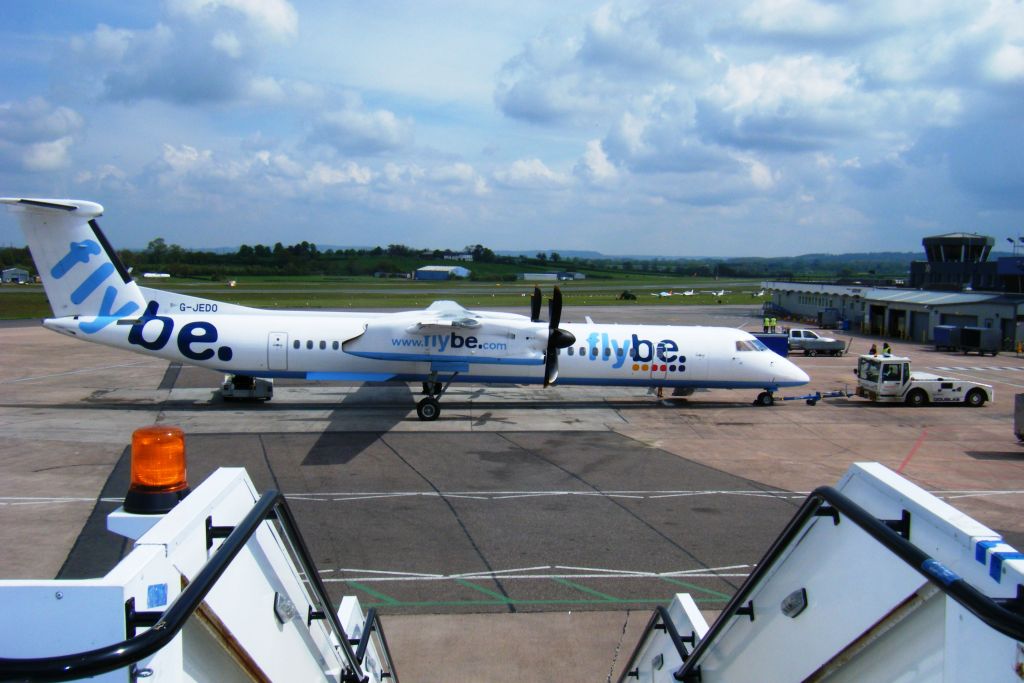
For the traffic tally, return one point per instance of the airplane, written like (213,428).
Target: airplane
(94,298)
(689,292)
(761,293)
(668,293)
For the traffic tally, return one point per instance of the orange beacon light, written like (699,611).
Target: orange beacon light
(158,479)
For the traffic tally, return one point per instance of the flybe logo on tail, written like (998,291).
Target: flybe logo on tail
(79,254)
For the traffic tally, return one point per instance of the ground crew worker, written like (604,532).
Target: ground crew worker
(767,324)
(774,323)
(886,349)
(873,350)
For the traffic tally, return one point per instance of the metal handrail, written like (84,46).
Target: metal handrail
(170,622)
(373,624)
(659,615)
(989,610)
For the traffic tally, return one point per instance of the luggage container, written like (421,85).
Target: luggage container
(947,337)
(981,340)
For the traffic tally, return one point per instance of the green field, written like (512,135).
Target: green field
(29,301)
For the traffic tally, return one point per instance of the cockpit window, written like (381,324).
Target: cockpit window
(750,345)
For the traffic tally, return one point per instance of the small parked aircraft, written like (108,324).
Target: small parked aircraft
(94,298)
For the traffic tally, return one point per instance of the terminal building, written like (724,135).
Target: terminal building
(957,284)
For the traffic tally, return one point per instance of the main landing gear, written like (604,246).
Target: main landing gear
(429,409)
(765,398)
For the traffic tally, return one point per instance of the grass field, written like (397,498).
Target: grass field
(29,301)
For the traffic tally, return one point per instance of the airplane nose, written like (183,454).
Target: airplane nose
(788,374)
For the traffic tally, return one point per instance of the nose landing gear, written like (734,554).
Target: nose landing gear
(429,409)
(765,398)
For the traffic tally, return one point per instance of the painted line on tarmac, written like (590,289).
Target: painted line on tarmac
(79,371)
(978,378)
(548,572)
(913,450)
(514,495)
(14,501)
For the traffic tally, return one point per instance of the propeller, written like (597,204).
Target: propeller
(535,305)
(557,337)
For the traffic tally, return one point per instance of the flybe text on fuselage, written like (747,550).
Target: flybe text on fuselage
(605,347)
(194,339)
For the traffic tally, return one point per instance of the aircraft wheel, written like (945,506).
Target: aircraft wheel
(765,399)
(428,409)
(975,398)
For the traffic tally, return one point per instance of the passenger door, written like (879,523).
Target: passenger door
(277,351)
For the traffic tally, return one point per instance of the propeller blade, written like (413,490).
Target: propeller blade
(557,338)
(535,302)
(555,309)
(550,368)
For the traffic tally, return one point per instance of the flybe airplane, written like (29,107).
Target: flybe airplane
(94,298)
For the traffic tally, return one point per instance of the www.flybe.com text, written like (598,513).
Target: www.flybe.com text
(443,342)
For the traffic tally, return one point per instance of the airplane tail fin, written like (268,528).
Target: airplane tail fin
(81,273)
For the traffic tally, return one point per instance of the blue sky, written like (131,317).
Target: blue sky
(771,127)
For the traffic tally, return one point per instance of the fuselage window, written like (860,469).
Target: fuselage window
(620,351)
(334,346)
(323,345)
(607,353)
(296,344)
(583,351)
(309,344)
(571,351)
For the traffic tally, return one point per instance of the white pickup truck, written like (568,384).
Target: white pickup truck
(812,344)
(888,379)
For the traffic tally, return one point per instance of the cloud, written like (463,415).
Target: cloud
(595,167)
(276,19)
(530,174)
(202,51)
(357,130)
(36,135)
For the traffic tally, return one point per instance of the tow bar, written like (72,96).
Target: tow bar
(812,399)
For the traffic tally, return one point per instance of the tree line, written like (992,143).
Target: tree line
(305,258)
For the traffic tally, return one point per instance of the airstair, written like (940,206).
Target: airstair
(873,580)
(221,588)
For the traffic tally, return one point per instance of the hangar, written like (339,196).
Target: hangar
(16,275)
(440,272)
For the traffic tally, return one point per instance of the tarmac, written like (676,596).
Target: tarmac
(527,530)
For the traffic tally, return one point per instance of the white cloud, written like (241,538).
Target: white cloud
(36,135)
(47,156)
(349,173)
(1007,64)
(276,18)
(594,166)
(530,174)
(358,130)
(228,43)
